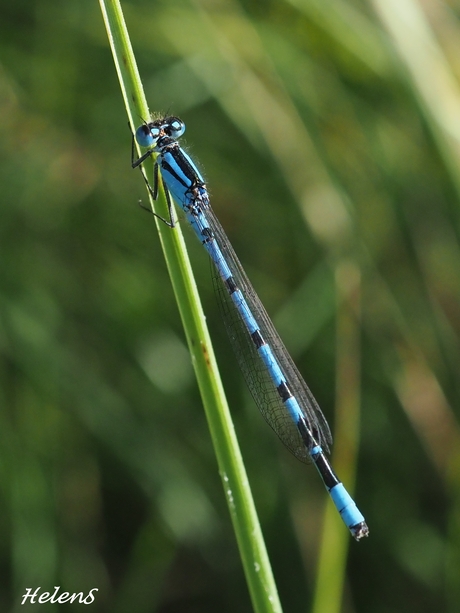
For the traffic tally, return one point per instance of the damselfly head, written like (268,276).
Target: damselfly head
(148,134)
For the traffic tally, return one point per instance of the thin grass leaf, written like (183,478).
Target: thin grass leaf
(242,510)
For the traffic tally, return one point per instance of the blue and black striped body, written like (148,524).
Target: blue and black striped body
(279,390)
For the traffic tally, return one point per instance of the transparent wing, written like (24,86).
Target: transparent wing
(257,377)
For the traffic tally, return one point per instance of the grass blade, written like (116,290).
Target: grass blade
(242,510)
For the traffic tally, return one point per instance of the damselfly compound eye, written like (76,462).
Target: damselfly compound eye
(175,127)
(147,135)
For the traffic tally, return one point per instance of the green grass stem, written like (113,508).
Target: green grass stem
(251,545)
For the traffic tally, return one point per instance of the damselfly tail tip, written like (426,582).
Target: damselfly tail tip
(359,530)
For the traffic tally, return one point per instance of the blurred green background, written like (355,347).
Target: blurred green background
(329,135)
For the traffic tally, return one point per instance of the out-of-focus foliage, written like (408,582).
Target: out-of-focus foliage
(328,132)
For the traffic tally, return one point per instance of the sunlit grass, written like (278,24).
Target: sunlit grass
(231,468)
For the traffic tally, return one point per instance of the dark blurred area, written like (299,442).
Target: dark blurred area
(329,136)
